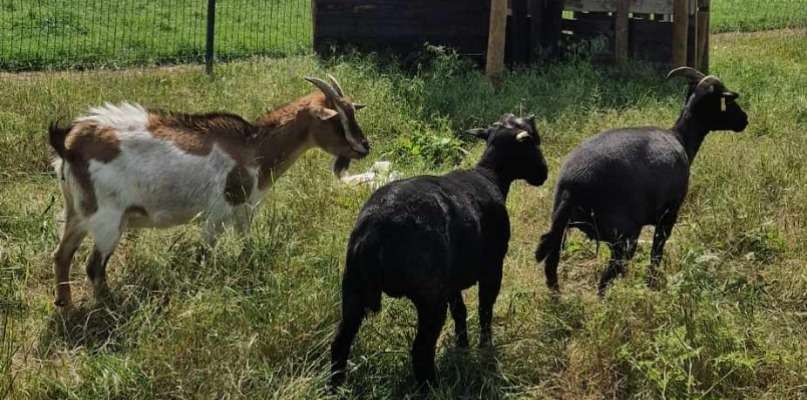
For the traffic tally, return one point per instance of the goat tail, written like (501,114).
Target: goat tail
(552,240)
(57,135)
(362,276)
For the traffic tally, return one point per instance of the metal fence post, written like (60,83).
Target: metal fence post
(211,33)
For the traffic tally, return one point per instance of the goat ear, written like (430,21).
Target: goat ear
(480,133)
(358,106)
(324,113)
(531,119)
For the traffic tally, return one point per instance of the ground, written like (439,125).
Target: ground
(256,321)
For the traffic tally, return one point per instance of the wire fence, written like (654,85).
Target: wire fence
(58,34)
(55,34)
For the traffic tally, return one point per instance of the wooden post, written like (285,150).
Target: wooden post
(520,38)
(536,29)
(210,50)
(680,32)
(703,36)
(621,31)
(314,25)
(496,37)
(692,39)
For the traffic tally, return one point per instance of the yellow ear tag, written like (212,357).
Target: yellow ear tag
(722,104)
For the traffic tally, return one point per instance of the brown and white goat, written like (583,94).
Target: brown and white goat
(125,166)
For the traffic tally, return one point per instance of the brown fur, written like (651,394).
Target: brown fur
(87,142)
(197,133)
(267,143)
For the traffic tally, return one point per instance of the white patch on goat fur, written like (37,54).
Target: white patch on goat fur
(170,184)
(123,116)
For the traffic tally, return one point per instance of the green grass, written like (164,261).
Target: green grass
(757,15)
(90,33)
(59,34)
(729,322)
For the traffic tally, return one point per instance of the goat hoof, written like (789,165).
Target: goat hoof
(62,300)
(63,305)
(654,283)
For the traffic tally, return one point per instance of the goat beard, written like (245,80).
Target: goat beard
(340,166)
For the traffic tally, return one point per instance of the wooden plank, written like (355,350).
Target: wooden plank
(650,41)
(537,15)
(520,32)
(590,26)
(496,38)
(703,36)
(636,6)
(680,36)
(621,32)
(552,23)
(692,40)
(402,26)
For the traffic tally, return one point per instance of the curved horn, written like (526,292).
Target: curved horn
(710,80)
(523,136)
(336,85)
(692,74)
(329,91)
(331,94)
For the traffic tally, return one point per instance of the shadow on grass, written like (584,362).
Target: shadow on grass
(94,325)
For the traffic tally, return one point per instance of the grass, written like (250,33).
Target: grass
(58,34)
(757,15)
(729,322)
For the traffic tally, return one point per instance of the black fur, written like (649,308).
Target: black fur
(57,136)
(615,183)
(427,238)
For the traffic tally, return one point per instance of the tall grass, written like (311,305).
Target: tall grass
(729,322)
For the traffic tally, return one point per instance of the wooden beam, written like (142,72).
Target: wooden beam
(537,16)
(496,38)
(520,32)
(680,32)
(636,6)
(703,36)
(553,25)
(621,32)
(692,38)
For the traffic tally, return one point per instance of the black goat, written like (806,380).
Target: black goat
(621,180)
(427,238)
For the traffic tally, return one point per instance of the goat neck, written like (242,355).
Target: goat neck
(278,144)
(491,168)
(690,132)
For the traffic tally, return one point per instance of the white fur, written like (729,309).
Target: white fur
(123,116)
(172,186)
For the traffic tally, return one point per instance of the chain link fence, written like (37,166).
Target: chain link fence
(55,34)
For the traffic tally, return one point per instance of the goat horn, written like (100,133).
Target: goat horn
(331,94)
(692,74)
(522,136)
(329,91)
(708,84)
(336,85)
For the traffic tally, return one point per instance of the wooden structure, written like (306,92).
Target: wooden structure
(401,26)
(671,32)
